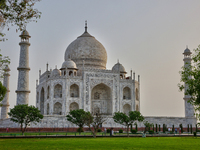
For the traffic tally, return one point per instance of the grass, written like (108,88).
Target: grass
(57,133)
(150,143)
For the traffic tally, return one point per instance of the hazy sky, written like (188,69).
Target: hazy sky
(148,36)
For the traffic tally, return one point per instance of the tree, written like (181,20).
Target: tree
(127,120)
(77,117)
(2,91)
(94,120)
(24,115)
(4,61)
(190,77)
(18,13)
(147,125)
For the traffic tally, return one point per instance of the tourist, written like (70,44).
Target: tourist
(176,131)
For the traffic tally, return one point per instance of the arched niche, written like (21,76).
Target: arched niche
(42,101)
(101,98)
(74,90)
(73,106)
(48,92)
(37,97)
(57,109)
(126,93)
(58,91)
(137,108)
(126,108)
(136,94)
(48,109)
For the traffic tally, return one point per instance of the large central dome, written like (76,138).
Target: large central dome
(88,51)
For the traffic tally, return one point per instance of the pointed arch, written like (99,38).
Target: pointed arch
(58,91)
(42,101)
(126,108)
(73,106)
(48,92)
(48,109)
(137,108)
(136,94)
(74,90)
(57,109)
(101,97)
(126,93)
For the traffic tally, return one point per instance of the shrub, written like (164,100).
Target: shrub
(120,131)
(108,130)
(80,130)
(195,134)
(99,130)
(151,132)
(133,131)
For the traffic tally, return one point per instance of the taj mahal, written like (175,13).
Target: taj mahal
(82,81)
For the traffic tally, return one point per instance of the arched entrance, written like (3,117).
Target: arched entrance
(57,109)
(101,99)
(73,106)
(126,108)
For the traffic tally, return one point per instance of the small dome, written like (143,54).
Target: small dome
(118,68)
(55,73)
(24,34)
(69,64)
(187,52)
(6,69)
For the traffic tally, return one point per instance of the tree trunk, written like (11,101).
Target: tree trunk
(22,129)
(127,130)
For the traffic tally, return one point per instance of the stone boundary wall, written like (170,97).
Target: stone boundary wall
(61,122)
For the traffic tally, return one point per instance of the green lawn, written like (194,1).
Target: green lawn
(150,143)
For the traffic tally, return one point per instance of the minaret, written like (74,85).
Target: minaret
(23,76)
(189,109)
(5,102)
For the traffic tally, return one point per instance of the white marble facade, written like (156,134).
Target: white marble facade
(84,82)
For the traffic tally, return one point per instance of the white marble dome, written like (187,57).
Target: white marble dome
(69,64)
(55,73)
(86,49)
(118,68)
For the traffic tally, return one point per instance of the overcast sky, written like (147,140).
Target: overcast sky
(147,36)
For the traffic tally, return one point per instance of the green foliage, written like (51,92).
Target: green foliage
(181,126)
(133,131)
(99,130)
(2,91)
(147,125)
(77,117)
(94,120)
(120,131)
(4,61)
(195,134)
(108,130)
(164,128)
(135,125)
(159,128)
(80,130)
(24,115)
(191,129)
(127,120)
(188,128)
(173,128)
(156,128)
(151,132)
(18,13)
